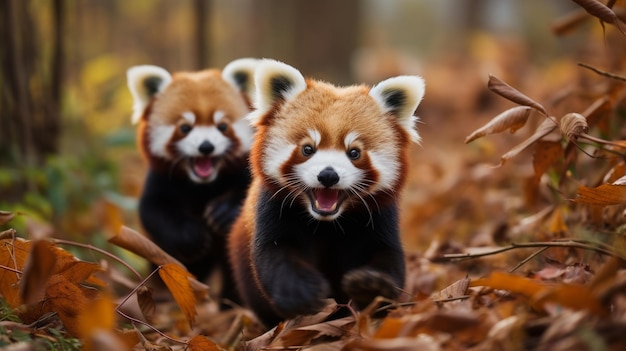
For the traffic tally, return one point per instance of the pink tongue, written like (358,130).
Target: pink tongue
(326,199)
(203,166)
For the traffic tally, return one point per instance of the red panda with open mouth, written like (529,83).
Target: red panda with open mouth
(196,141)
(321,216)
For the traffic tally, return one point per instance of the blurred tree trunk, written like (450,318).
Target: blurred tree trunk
(328,34)
(201,17)
(30,102)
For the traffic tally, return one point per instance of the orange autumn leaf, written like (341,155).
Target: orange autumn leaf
(67,300)
(546,154)
(98,316)
(176,279)
(37,270)
(202,343)
(603,195)
(567,295)
(13,254)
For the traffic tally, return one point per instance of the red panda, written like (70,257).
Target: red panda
(320,218)
(193,135)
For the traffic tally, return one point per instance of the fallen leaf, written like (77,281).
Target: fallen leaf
(202,343)
(507,91)
(96,320)
(67,300)
(546,154)
(511,119)
(573,125)
(134,242)
(37,270)
(146,302)
(544,129)
(13,254)
(455,290)
(603,195)
(176,279)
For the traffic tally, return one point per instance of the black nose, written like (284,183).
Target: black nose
(206,147)
(328,177)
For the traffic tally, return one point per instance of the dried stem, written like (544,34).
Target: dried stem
(572,243)
(602,73)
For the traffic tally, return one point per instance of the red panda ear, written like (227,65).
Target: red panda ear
(240,74)
(144,82)
(275,81)
(400,96)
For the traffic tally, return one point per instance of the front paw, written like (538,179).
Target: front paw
(299,295)
(364,285)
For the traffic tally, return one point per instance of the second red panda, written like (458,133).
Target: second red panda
(321,216)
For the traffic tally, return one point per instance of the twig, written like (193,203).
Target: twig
(101,251)
(10,269)
(602,73)
(528,259)
(135,320)
(580,244)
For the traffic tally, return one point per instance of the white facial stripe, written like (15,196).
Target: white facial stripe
(218,116)
(316,136)
(189,144)
(189,117)
(159,138)
(350,138)
(276,154)
(388,167)
(349,175)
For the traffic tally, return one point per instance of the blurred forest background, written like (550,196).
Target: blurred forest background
(68,160)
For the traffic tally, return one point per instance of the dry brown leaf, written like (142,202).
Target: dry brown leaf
(511,119)
(544,129)
(603,195)
(557,222)
(601,11)
(176,279)
(37,270)
(599,109)
(573,125)
(133,241)
(67,300)
(13,254)
(546,154)
(82,272)
(6,217)
(146,302)
(202,343)
(304,335)
(457,289)
(501,88)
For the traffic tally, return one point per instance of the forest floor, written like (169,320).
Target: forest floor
(514,241)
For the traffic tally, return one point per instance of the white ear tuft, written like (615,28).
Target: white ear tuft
(400,96)
(275,81)
(144,82)
(240,74)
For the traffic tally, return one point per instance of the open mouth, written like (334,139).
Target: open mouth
(202,167)
(325,201)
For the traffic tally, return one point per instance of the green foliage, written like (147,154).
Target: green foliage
(6,313)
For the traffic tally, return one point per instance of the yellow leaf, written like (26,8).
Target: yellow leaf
(176,278)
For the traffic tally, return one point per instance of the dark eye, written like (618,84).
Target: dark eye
(222,127)
(185,128)
(354,154)
(308,150)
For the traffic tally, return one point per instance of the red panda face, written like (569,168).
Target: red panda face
(192,122)
(330,149)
